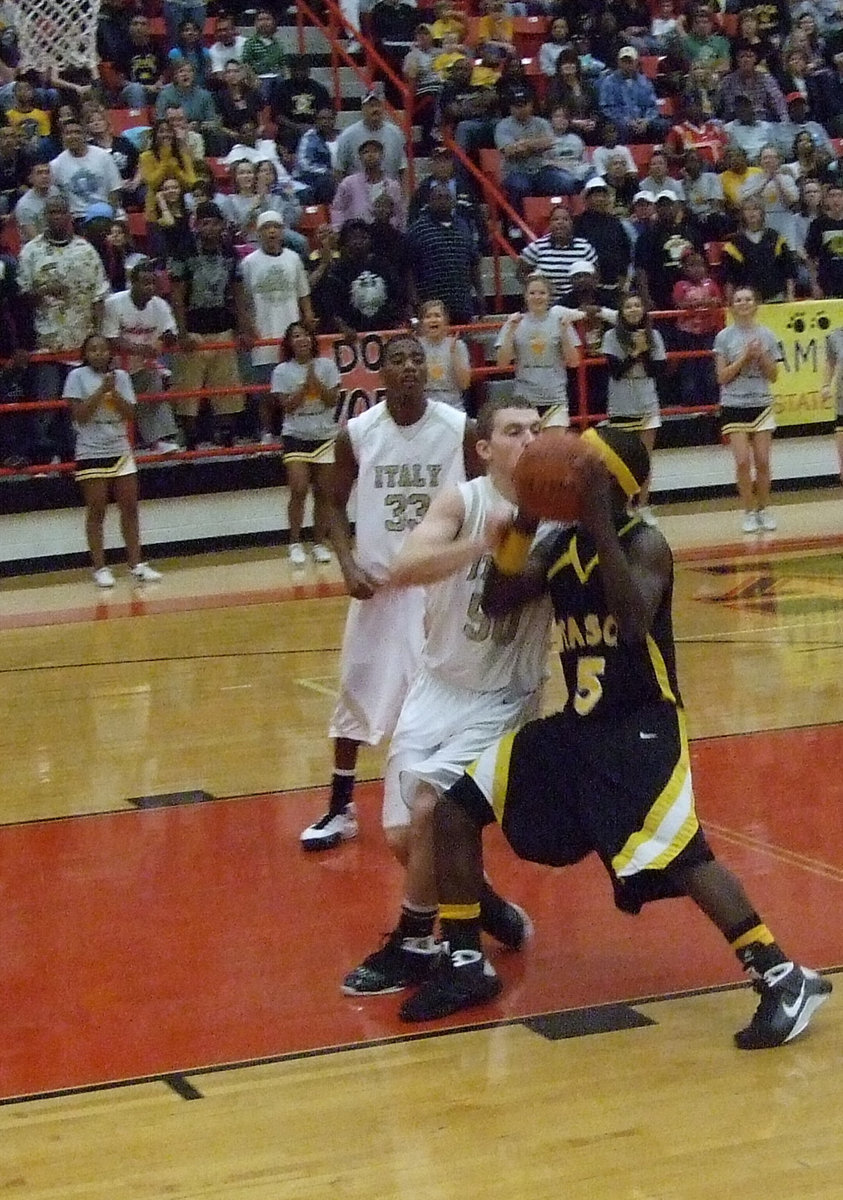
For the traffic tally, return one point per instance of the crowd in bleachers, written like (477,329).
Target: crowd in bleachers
(674,135)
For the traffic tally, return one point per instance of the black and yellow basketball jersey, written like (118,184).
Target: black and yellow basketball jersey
(605,675)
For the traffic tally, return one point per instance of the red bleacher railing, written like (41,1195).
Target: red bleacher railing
(579,411)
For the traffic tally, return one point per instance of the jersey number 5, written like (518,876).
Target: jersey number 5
(589,687)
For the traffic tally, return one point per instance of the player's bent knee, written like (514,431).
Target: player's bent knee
(398,840)
(465,797)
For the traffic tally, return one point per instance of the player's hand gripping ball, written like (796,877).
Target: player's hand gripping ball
(550,474)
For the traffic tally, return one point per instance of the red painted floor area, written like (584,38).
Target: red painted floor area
(146,942)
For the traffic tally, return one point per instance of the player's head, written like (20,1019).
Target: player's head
(505,425)
(404,369)
(624,456)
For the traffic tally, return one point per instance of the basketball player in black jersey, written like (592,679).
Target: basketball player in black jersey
(610,772)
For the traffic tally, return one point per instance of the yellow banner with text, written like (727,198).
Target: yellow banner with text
(801,328)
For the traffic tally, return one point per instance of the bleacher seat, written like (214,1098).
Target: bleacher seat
(313,216)
(490,164)
(121,119)
(536,77)
(537,211)
(714,253)
(530,34)
(650,65)
(641,156)
(220,173)
(138,228)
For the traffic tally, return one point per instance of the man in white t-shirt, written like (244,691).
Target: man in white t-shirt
(138,324)
(276,288)
(229,44)
(86,174)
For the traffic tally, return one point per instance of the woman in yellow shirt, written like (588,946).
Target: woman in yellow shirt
(735,176)
(165,159)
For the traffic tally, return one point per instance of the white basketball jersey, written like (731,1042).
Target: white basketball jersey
(463,645)
(400,470)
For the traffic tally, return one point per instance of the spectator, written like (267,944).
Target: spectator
(277,291)
(294,102)
(606,233)
(627,98)
(758,258)
(810,207)
(424,83)
(64,278)
(828,106)
(748,35)
(32,123)
(543,345)
(29,210)
(554,255)
(358,291)
(170,233)
(664,27)
(734,176)
(622,185)
(445,262)
(185,137)
(523,140)
(442,171)
(238,102)
(315,157)
(390,245)
(393,25)
(704,198)
(209,307)
(103,404)
(473,111)
(139,325)
(701,46)
(15,165)
(806,159)
(642,216)
(579,97)
(607,136)
(372,125)
(797,122)
(763,93)
(659,251)
(449,20)
(308,388)
(188,48)
(228,47)
(496,27)
(559,39)
(197,103)
(165,159)
(824,247)
(697,132)
(797,77)
(271,184)
(178,11)
(448,53)
(16,429)
(774,19)
(777,191)
(446,355)
(242,207)
(357,193)
(253,148)
(96,227)
(701,301)
(657,180)
(263,53)
(747,131)
(86,174)
(568,153)
(122,150)
(512,79)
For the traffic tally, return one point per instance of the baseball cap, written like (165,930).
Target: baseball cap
(440,152)
(581,268)
(99,209)
(374,93)
(520,97)
(644,195)
(594,184)
(270,217)
(666,194)
(628,52)
(792,97)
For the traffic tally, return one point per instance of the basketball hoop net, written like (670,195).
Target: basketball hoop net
(57,33)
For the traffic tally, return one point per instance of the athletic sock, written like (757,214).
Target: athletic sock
(460,925)
(342,787)
(416,920)
(755,946)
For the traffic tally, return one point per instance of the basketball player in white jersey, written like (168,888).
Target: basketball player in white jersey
(477,676)
(399,453)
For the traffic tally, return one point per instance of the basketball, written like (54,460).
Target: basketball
(548,475)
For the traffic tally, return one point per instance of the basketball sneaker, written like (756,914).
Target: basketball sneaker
(461,980)
(104,577)
(321,554)
(144,573)
(296,554)
(331,829)
(749,523)
(766,520)
(506,922)
(400,962)
(790,995)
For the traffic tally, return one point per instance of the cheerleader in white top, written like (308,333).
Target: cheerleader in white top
(448,366)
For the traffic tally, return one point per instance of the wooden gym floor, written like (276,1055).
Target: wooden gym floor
(170,960)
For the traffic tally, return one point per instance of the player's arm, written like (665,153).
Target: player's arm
(517,574)
(472,462)
(434,549)
(634,578)
(360,585)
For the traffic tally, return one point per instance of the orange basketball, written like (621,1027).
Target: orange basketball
(549,473)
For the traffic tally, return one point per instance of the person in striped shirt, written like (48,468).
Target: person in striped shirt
(554,254)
